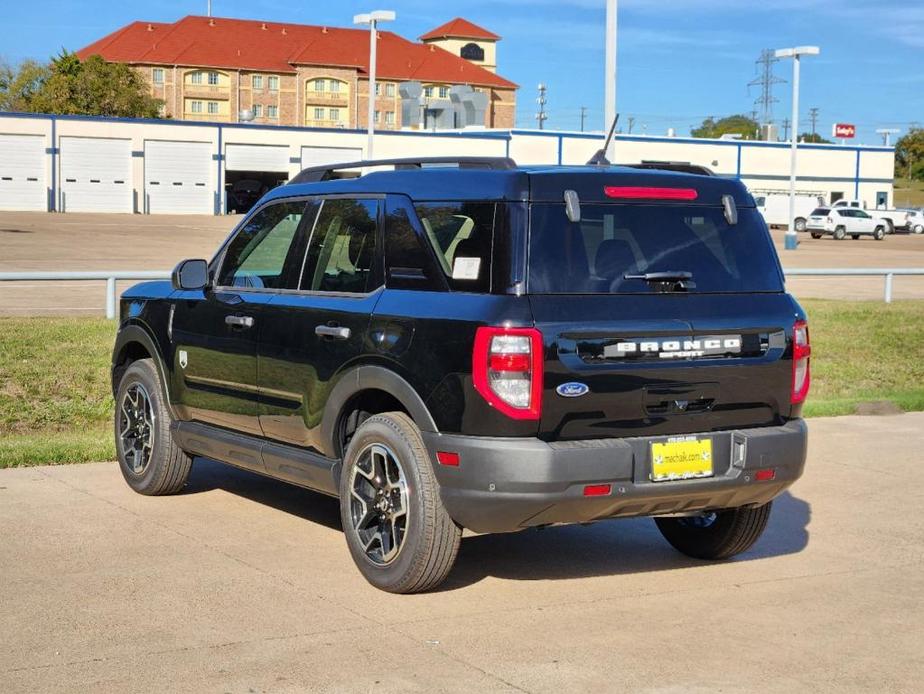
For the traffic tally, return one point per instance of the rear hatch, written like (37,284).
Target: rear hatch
(658,318)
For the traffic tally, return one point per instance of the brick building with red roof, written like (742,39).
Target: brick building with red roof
(212,68)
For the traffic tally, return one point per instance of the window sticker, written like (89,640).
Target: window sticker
(466,268)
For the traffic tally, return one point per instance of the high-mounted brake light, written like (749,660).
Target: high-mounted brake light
(507,370)
(801,353)
(643,193)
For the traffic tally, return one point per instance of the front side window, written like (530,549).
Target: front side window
(158,75)
(613,246)
(273,82)
(462,235)
(257,256)
(342,249)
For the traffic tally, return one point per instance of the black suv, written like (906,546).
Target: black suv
(473,344)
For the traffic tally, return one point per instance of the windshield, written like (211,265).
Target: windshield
(623,248)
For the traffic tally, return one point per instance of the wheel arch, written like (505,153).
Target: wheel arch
(370,385)
(133,343)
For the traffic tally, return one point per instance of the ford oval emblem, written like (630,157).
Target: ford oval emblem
(572,390)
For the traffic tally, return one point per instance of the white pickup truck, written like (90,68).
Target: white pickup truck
(894,219)
(775,208)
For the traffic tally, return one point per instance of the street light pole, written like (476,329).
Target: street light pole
(372,19)
(609,92)
(792,240)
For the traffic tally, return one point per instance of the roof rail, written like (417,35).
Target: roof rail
(681,166)
(316,174)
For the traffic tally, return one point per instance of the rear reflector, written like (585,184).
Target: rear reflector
(765,475)
(447,458)
(597,489)
(644,193)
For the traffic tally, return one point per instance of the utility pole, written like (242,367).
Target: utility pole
(786,125)
(813,116)
(210,8)
(631,120)
(609,69)
(765,80)
(583,117)
(542,116)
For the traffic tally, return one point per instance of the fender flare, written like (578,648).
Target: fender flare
(372,378)
(134,333)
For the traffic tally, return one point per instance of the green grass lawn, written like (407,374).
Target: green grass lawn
(55,405)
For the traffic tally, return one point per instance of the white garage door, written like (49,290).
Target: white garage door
(22,173)
(176,177)
(273,158)
(96,175)
(316,156)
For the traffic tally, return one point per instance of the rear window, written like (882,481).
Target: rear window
(820,212)
(595,255)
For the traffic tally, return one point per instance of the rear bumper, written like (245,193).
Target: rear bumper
(502,485)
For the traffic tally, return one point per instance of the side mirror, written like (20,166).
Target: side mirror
(190,275)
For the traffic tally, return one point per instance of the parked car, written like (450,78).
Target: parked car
(841,222)
(480,346)
(775,209)
(894,219)
(244,194)
(914,221)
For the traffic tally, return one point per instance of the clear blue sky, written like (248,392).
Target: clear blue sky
(679,60)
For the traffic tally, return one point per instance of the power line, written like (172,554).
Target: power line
(765,80)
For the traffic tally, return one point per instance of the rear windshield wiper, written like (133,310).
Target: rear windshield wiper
(667,276)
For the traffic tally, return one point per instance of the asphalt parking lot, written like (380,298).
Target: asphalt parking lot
(55,242)
(243,584)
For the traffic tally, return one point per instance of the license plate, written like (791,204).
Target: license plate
(681,458)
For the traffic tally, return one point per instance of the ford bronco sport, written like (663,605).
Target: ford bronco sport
(473,344)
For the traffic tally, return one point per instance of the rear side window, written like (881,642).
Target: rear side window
(341,252)
(612,245)
(462,236)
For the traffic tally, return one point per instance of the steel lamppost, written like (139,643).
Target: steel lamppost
(792,241)
(372,19)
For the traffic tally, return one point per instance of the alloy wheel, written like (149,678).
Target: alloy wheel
(136,428)
(379,503)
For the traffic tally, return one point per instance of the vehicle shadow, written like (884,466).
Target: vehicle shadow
(607,548)
(207,475)
(610,548)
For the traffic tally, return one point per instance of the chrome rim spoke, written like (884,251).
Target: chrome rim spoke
(136,428)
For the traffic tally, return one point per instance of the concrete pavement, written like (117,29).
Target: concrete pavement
(242,584)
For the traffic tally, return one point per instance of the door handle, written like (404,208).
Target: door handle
(333,331)
(239,321)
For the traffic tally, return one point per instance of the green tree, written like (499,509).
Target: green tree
(19,85)
(909,155)
(814,138)
(742,125)
(70,86)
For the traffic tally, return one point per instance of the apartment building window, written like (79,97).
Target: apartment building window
(257,82)
(335,114)
(195,78)
(389,89)
(213,78)
(389,117)
(319,85)
(213,107)
(377,116)
(195,107)
(273,83)
(444,92)
(272,112)
(428,92)
(378,89)
(158,75)
(319,114)
(258,111)
(335,86)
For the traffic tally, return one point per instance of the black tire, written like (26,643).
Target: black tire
(429,539)
(816,235)
(890,228)
(799,224)
(918,229)
(730,532)
(840,233)
(879,233)
(854,236)
(165,468)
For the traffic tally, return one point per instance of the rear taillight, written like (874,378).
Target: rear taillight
(507,370)
(801,352)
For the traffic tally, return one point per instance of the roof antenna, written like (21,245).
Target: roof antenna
(599,159)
